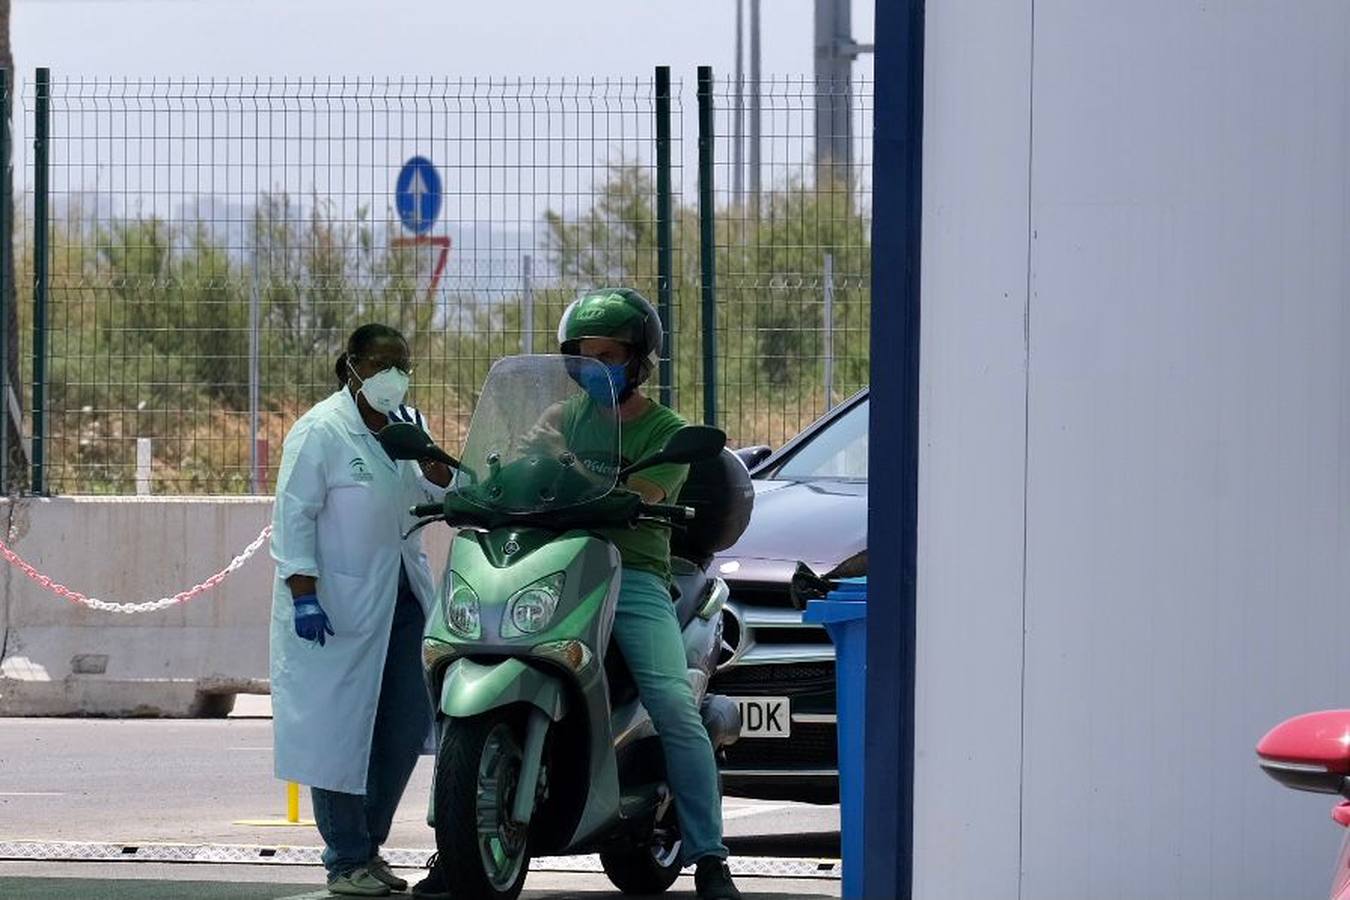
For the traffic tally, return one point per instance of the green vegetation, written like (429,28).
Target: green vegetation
(149,322)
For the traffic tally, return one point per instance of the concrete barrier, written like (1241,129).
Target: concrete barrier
(58,658)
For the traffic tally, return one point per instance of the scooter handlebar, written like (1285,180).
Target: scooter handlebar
(667,511)
(662,511)
(436,454)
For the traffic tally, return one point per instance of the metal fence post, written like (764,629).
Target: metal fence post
(145,462)
(41,187)
(254,368)
(527,304)
(8,294)
(664,252)
(707,241)
(828,336)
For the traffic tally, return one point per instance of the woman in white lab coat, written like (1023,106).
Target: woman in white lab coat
(350,708)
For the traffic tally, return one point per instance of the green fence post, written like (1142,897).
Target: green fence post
(664,252)
(707,242)
(41,188)
(8,294)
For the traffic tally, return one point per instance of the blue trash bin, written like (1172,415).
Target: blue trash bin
(844,615)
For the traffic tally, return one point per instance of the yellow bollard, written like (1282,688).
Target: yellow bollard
(292,812)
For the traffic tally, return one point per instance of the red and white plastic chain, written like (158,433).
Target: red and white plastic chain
(61,590)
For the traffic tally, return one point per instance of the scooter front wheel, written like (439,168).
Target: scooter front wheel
(485,853)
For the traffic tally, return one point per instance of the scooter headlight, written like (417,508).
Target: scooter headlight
(573,654)
(462,612)
(531,609)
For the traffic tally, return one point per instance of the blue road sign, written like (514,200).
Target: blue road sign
(417,195)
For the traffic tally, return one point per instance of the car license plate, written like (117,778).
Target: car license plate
(765,717)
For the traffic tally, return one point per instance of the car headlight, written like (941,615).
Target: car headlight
(462,609)
(531,609)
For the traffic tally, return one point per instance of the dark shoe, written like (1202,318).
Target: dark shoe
(712,880)
(435,886)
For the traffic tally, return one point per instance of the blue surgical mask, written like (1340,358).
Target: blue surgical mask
(594,382)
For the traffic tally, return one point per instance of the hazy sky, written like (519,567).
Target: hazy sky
(109,39)
(393,37)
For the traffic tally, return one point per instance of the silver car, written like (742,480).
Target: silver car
(810,507)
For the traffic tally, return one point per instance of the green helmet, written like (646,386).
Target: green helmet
(620,314)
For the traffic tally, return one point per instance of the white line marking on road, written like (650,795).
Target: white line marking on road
(746,812)
(324,894)
(232,854)
(741,803)
(32,793)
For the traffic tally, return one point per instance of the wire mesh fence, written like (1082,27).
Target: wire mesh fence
(211,242)
(793,252)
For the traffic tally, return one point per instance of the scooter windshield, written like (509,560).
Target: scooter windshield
(544,436)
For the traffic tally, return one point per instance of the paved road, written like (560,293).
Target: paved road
(127,881)
(173,781)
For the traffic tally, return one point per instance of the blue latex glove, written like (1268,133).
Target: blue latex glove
(311,622)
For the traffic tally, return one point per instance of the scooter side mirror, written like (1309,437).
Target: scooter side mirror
(688,445)
(806,585)
(403,440)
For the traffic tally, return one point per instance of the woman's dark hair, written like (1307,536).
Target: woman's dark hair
(360,343)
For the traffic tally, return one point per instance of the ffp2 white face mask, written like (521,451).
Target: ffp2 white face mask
(384,390)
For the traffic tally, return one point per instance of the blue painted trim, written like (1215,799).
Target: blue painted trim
(897,186)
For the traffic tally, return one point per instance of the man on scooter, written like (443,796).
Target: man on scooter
(620,329)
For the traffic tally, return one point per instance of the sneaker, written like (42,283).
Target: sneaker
(357,883)
(712,880)
(436,886)
(379,867)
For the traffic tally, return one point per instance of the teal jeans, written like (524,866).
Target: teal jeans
(649,636)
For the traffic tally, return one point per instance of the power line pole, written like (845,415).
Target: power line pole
(756,107)
(835,52)
(738,121)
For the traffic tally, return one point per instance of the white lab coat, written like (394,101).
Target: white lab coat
(341,506)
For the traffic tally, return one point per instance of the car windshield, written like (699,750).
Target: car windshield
(538,441)
(839,450)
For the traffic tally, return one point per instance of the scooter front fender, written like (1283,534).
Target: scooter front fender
(471,689)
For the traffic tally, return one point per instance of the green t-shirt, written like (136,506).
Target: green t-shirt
(646,546)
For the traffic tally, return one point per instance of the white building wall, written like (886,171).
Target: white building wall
(1179,365)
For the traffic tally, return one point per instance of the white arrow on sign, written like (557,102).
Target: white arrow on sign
(418,189)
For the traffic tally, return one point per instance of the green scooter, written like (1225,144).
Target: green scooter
(544,748)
